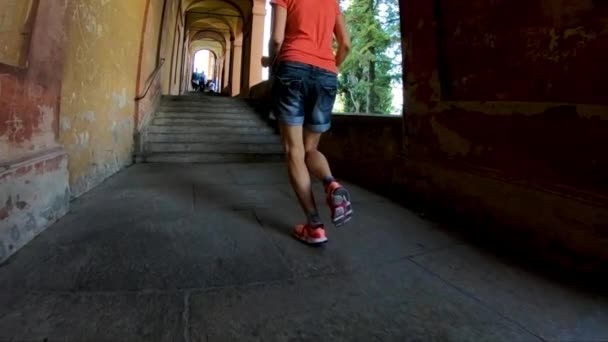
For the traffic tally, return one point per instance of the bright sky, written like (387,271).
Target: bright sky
(201,61)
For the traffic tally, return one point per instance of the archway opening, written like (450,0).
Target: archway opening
(204,61)
(371,78)
(205,73)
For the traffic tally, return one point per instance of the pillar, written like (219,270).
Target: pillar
(219,72)
(256,45)
(190,71)
(210,69)
(236,69)
(226,76)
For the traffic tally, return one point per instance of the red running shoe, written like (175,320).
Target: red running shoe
(338,200)
(309,235)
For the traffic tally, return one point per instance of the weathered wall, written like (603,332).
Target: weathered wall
(100,78)
(172,49)
(560,40)
(507,123)
(149,85)
(33,195)
(520,92)
(168,44)
(16,19)
(177,80)
(373,143)
(151,39)
(33,172)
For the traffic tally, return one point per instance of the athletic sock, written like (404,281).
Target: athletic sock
(314,220)
(328,180)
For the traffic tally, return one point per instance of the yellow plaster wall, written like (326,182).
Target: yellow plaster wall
(178,60)
(97,107)
(14,30)
(151,40)
(167,44)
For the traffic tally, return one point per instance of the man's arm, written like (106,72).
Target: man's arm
(279,21)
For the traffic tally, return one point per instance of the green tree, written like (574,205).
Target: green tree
(368,74)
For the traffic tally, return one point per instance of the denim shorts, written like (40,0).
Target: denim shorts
(304,95)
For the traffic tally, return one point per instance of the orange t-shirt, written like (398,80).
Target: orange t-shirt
(309,32)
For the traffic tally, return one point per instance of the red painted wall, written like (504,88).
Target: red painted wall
(34,190)
(520,84)
(29,97)
(506,125)
(527,50)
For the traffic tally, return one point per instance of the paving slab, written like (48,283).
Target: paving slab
(554,311)
(396,302)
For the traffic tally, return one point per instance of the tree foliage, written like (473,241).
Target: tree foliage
(374,64)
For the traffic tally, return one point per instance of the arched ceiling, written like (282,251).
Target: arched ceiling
(226,17)
(242,8)
(199,23)
(211,39)
(210,45)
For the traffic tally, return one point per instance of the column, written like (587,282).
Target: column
(237,60)
(226,77)
(257,46)
(210,66)
(220,72)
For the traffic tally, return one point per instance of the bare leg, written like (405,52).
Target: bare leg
(315,161)
(337,196)
(293,142)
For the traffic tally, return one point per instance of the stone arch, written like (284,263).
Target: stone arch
(195,19)
(213,24)
(243,11)
(210,35)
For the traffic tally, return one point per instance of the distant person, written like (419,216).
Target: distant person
(203,81)
(211,86)
(195,80)
(304,91)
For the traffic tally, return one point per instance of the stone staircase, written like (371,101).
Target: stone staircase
(208,129)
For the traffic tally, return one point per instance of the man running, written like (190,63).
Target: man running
(304,91)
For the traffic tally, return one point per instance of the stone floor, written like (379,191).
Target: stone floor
(202,253)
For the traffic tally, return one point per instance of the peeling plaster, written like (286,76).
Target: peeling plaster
(33,177)
(34,196)
(450,141)
(66,124)
(120,99)
(99,89)
(47,117)
(548,44)
(83,139)
(88,117)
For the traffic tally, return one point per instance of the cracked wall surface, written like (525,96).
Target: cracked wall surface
(99,85)
(33,166)
(506,124)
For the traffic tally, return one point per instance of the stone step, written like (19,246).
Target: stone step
(204,103)
(199,98)
(208,122)
(212,138)
(205,129)
(206,109)
(210,158)
(186,129)
(228,103)
(193,115)
(214,147)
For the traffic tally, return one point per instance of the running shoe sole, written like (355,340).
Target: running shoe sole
(308,240)
(341,202)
